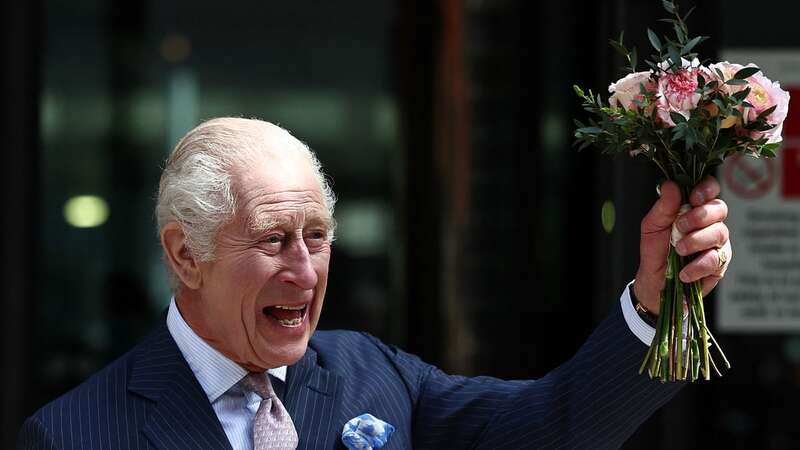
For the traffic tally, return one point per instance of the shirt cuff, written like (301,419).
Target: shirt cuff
(638,326)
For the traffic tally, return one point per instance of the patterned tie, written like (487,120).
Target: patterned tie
(272,427)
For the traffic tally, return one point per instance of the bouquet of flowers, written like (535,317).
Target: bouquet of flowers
(686,117)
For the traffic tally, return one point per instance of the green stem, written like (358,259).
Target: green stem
(719,349)
(697,299)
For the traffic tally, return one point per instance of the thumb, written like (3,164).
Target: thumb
(654,245)
(664,212)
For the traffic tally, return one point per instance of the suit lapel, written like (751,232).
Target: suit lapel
(182,417)
(311,398)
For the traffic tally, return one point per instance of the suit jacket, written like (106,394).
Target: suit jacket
(150,399)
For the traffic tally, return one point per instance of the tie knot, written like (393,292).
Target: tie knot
(259,383)
(273,429)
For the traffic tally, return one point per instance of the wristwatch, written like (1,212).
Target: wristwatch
(646,315)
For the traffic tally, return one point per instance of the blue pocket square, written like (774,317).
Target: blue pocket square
(366,432)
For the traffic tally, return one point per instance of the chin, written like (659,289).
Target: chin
(288,355)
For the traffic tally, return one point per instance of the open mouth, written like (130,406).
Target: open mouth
(285,315)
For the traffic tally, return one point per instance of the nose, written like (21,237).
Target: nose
(298,268)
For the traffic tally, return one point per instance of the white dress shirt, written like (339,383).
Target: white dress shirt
(220,379)
(235,408)
(638,326)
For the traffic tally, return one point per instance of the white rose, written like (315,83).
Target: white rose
(626,90)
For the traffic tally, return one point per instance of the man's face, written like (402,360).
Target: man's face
(261,298)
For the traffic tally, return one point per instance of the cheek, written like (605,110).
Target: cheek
(244,276)
(321,261)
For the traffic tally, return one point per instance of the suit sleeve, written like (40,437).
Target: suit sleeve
(33,436)
(595,400)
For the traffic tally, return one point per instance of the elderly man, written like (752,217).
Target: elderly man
(246,222)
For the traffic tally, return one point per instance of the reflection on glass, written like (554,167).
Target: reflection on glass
(86,211)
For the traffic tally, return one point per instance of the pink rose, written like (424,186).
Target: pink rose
(676,93)
(625,91)
(765,94)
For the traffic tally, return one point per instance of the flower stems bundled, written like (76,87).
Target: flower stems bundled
(679,351)
(686,117)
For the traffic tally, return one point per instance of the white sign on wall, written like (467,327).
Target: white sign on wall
(761,290)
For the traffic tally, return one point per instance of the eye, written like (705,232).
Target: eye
(315,238)
(274,239)
(272,242)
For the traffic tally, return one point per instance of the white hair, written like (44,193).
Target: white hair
(196,188)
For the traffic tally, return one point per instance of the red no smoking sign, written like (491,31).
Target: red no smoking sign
(748,177)
(791,171)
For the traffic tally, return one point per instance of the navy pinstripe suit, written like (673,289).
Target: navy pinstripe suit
(149,399)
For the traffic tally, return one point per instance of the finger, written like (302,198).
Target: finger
(711,237)
(702,216)
(706,190)
(709,283)
(708,264)
(704,265)
(664,211)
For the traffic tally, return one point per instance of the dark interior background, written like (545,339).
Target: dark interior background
(470,230)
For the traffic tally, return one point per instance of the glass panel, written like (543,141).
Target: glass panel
(123,82)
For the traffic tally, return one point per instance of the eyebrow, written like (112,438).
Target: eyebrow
(259,223)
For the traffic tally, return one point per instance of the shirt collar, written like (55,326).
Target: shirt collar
(215,372)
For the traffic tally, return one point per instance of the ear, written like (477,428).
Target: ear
(178,255)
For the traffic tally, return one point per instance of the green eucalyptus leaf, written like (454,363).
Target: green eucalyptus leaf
(691,44)
(680,132)
(736,82)
(619,47)
(677,117)
(675,58)
(689,13)
(774,146)
(679,32)
(589,130)
(768,152)
(764,114)
(690,140)
(669,6)
(741,95)
(654,40)
(746,72)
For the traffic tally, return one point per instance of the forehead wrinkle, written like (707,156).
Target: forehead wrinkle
(258,198)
